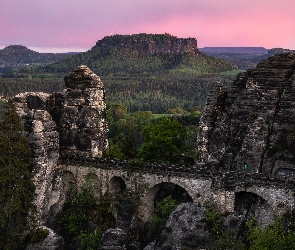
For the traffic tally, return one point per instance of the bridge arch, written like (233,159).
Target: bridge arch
(251,204)
(116,184)
(279,199)
(146,209)
(69,184)
(94,183)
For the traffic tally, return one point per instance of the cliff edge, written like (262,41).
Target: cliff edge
(250,127)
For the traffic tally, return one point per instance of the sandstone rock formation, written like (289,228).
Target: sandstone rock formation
(66,124)
(251,125)
(44,141)
(83,124)
(186,228)
(113,238)
(52,242)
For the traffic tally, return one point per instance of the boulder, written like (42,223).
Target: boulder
(52,242)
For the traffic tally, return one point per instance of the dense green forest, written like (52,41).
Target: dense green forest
(134,75)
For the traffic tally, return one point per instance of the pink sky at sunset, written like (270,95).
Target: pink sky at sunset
(69,25)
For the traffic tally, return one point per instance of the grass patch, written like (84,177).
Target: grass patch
(232,72)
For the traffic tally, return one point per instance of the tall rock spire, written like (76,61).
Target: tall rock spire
(83,125)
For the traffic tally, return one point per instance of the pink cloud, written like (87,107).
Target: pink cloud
(79,24)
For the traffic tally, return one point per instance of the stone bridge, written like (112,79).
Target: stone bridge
(202,184)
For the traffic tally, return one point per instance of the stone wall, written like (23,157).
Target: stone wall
(203,186)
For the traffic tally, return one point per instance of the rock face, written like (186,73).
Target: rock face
(186,228)
(72,123)
(44,141)
(113,239)
(252,124)
(52,242)
(153,43)
(83,122)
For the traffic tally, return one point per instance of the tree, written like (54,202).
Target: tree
(16,187)
(163,210)
(275,236)
(164,140)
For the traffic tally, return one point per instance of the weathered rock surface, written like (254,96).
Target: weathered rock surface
(72,123)
(52,242)
(253,122)
(113,239)
(83,125)
(186,229)
(44,141)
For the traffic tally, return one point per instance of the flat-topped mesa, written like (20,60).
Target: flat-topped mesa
(83,124)
(251,126)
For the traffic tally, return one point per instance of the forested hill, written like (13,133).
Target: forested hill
(17,55)
(140,54)
(143,71)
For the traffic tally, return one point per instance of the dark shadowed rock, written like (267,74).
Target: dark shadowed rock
(113,239)
(253,122)
(184,228)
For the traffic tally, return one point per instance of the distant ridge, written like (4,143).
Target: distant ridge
(19,55)
(237,50)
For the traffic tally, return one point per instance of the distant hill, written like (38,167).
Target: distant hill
(236,50)
(140,54)
(17,56)
(243,57)
(142,71)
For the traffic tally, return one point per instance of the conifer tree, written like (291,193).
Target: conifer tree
(16,187)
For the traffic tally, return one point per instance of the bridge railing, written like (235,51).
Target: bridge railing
(220,178)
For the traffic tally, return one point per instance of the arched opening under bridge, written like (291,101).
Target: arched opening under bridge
(249,204)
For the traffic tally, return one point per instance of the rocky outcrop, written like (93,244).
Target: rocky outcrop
(151,43)
(44,142)
(83,124)
(52,242)
(251,125)
(113,239)
(187,228)
(72,123)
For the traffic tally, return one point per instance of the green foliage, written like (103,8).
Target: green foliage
(17,190)
(116,112)
(232,72)
(38,235)
(77,212)
(214,222)
(85,217)
(228,241)
(272,237)
(165,207)
(90,241)
(164,140)
(132,75)
(223,239)
(177,111)
(162,212)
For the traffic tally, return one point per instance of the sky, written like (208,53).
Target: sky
(72,25)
